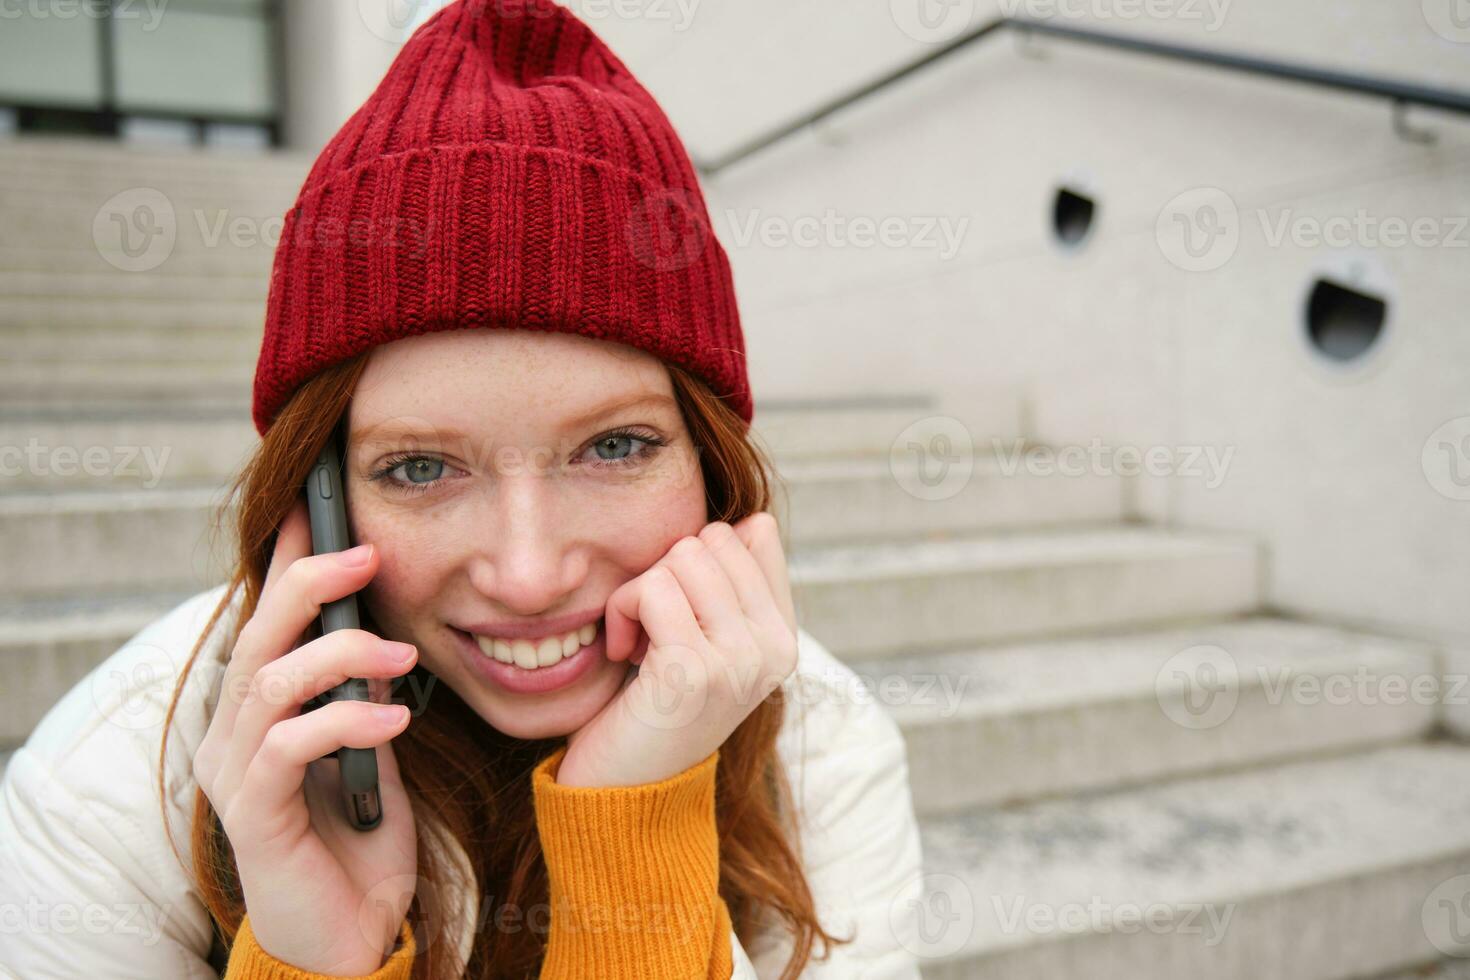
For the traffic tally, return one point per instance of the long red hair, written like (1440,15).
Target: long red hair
(464,777)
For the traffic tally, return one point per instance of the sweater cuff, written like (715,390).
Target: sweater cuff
(249,962)
(634,874)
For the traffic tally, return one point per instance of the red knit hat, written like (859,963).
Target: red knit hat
(509,171)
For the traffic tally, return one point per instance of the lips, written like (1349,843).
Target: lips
(562,671)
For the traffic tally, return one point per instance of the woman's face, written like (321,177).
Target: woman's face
(511,480)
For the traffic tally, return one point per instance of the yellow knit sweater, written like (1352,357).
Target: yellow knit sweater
(634,878)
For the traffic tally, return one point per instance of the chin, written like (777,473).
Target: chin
(557,715)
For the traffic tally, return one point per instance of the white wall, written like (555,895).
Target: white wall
(1112,341)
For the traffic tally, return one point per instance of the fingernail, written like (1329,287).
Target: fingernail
(399,652)
(355,557)
(389,712)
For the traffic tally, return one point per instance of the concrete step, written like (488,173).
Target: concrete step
(88,260)
(203,313)
(47,646)
(114,450)
(205,443)
(110,541)
(85,384)
(186,195)
(871,498)
(95,224)
(1003,724)
(159,345)
(887,428)
(1312,869)
(40,158)
(868,601)
(56,286)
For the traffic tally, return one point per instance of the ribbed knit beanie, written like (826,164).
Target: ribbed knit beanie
(510,172)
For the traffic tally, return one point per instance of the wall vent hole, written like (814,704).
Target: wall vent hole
(1072,216)
(1342,322)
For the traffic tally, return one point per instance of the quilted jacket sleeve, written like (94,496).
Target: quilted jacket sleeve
(859,834)
(85,886)
(89,885)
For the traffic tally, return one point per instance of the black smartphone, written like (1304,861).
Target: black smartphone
(327,506)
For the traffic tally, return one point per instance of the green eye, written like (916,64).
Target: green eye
(616,447)
(421,469)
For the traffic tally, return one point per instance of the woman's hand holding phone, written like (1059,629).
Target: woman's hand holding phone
(718,635)
(321,895)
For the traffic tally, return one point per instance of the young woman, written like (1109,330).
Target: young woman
(612,751)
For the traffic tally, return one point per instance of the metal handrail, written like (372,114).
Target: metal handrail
(1401,93)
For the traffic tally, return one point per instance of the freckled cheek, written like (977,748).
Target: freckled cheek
(637,526)
(415,556)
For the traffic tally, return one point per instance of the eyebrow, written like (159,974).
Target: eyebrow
(389,429)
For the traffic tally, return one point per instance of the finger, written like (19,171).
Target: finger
(751,587)
(710,592)
(761,535)
(284,613)
(655,601)
(293,541)
(272,782)
(280,688)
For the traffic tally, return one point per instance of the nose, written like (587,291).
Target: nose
(524,559)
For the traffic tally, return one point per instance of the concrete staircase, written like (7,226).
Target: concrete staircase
(1125,764)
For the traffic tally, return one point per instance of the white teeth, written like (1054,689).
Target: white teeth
(543,653)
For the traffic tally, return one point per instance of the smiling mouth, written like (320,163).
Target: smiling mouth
(547,651)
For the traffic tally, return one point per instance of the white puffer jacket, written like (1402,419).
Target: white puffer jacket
(89,886)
